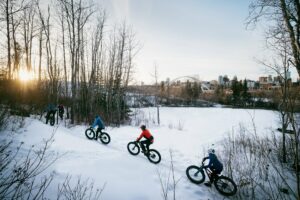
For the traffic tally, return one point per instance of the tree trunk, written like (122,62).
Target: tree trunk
(40,54)
(8,38)
(294,43)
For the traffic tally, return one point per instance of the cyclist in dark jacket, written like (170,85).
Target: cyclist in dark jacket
(61,111)
(148,139)
(214,165)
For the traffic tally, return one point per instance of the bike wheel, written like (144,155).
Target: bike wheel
(195,174)
(133,148)
(154,156)
(52,121)
(104,137)
(90,134)
(225,185)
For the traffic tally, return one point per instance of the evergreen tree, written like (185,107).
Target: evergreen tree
(246,96)
(195,90)
(236,88)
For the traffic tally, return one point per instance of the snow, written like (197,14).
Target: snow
(186,132)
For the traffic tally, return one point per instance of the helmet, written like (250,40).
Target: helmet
(210,151)
(143,127)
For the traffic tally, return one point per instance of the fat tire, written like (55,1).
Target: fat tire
(191,172)
(133,148)
(219,182)
(52,119)
(52,122)
(104,137)
(156,159)
(90,133)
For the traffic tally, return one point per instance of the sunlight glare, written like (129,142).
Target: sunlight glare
(25,75)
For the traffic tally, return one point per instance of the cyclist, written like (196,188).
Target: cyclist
(214,165)
(148,139)
(61,111)
(51,110)
(98,122)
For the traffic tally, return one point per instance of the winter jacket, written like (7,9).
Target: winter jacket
(214,163)
(98,122)
(146,134)
(50,108)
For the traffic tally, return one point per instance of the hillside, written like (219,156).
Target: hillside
(185,132)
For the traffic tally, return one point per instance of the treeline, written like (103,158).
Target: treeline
(238,95)
(77,58)
(181,94)
(235,93)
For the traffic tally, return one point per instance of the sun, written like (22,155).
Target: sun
(25,75)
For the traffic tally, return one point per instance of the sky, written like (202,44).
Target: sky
(201,38)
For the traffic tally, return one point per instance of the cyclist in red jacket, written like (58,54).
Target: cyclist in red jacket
(148,139)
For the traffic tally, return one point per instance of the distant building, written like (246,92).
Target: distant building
(277,80)
(220,80)
(224,81)
(168,81)
(206,87)
(263,80)
(270,79)
(264,83)
(250,84)
(269,82)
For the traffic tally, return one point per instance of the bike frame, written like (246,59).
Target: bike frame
(140,145)
(99,131)
(208,172)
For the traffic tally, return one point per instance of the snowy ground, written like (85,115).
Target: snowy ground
(187,132)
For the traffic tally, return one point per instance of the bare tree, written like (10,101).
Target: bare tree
(97,73)
(9,9)
(168,182)
(77,13)
(40,54)
(51,66)
(94,73)
(82,190)
(19,174)
(283,36)
(284,18)
(29,31)
(155,75)
(119,69)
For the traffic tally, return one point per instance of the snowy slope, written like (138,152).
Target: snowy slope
(187,132)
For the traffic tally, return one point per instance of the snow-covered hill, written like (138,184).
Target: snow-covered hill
(186,132)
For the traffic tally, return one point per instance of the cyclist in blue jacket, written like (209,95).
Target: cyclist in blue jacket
(214,165)
(98,122)
(51,110)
